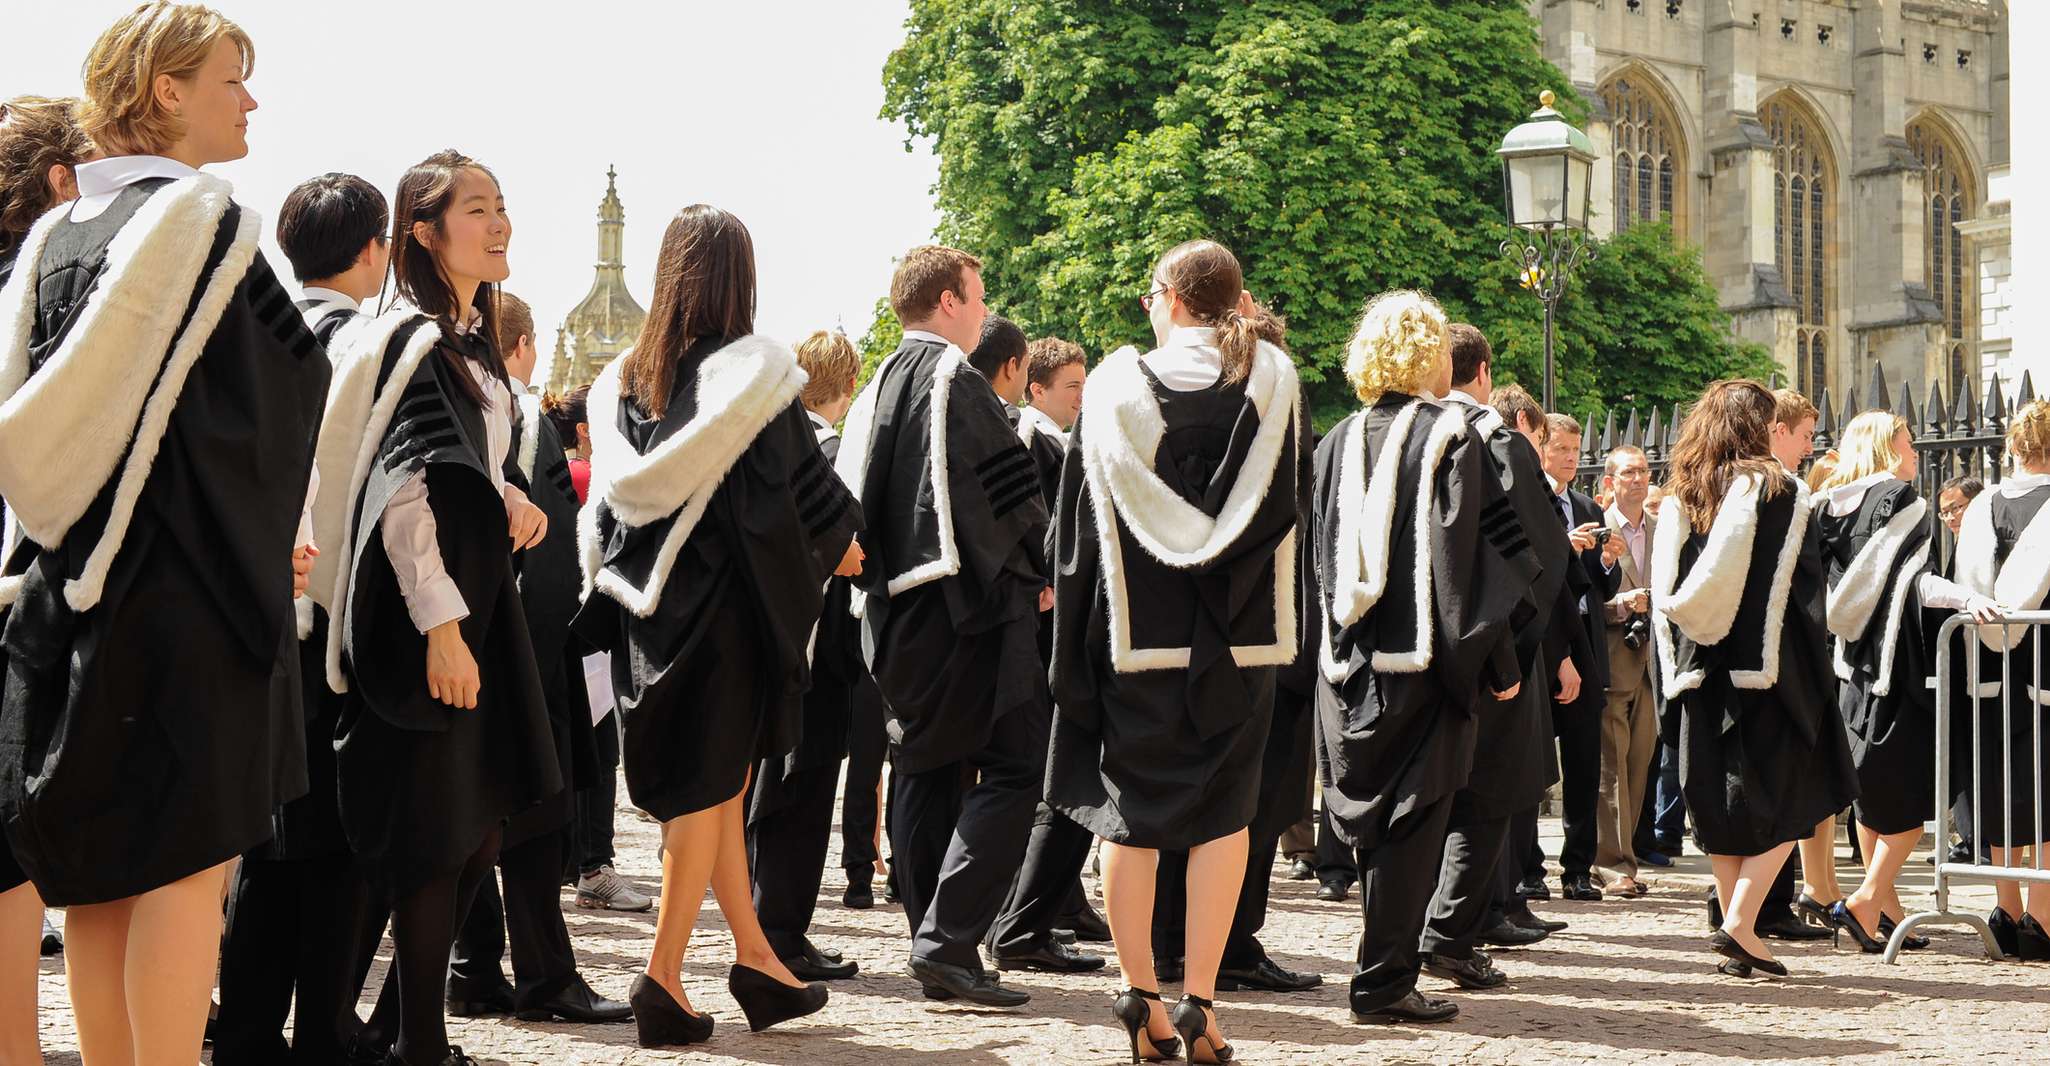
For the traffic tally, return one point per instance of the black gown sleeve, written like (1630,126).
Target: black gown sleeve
(1075,562)
(1480,577)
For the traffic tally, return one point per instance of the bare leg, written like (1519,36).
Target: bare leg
(1754,879)
(21,933)
(2039,894)
(1725,868)
(1885,855)
(730,885)
(1216,871)
(882,868)
(2009,893)
(1128,875)
(95,954)
(690,847)
(1818,863)
(174,948)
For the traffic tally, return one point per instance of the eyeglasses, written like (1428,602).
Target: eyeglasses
(1952,511)
(1146,301)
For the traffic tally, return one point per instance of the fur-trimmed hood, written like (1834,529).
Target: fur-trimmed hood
(1704,607)
(2019,581)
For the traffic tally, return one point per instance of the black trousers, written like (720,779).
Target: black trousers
(528,918)
(1397,879)
(1579,729)
(597,804)
(292,932)
(1335,860)
(867,744)
(1048,887)
(1519,850)
(1467,886)
(958,834)
(786,852)
(1242,947)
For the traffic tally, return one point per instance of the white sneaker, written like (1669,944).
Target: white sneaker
(603,889)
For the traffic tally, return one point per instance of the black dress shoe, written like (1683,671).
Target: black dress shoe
(767,1001)
(1779,923)
(1522,918)
(1840,917)
(1302,870)
(1415,1007)
(455,1057)
(1268,976)
(859,896)
(1911,942)
(811,964)
(1169,969)
(576,1002)
(1333,891)
(2033,940)
(1473,972)
(1507,934)
(1580,888)
(1055,957)
(465,1003)
(1086,925)
(1733,968)
(1062,936)
(1533,888)
(1726,945)
(964,983)
(660,1021)
(2006,932)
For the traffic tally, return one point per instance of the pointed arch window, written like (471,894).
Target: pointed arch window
(1804,234)
(1650,154)
(1948,191)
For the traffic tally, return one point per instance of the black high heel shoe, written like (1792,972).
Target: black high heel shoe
(1812,911)
(1191,1020)
(1911,942)
(2033,940)
(1841,917)
(767,1001)
(1726,945)
(660,1021)
(1130,1008)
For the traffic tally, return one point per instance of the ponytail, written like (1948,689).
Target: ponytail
(1239,337)
(1206,277)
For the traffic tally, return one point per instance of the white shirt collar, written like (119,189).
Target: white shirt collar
(1191,337)
(101,180)
(331,296)
(924,335)
(1042,422)
(817,422)
(2023,484)
(1188,359)
(1456,396)
(1846,499)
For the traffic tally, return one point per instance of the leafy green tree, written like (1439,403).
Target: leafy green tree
(1340,148)
(883,336)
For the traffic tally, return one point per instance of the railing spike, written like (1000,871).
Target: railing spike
(1938,414)
(1906,407)
(2026,393)
(1875,390)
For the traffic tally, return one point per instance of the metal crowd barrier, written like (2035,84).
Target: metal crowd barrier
(1947,647)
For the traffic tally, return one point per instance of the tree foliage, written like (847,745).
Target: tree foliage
(1340,148)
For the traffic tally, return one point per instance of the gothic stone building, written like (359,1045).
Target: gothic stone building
(608,319)
(1822,153)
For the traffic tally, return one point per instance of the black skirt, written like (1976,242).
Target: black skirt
(693,733)
(1893,746)
(1761,783)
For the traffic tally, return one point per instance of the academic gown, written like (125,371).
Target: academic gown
(708,539)
(1885,650)
(2003,552)
(150,719)
(1743,651)
(421,782)
(1164,670)
(1404,661)
(949,593)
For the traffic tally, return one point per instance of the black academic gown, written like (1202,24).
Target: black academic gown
(1397,737)
(1763,756)
(710,680)
(150,721)
(2003,553)
(1885,651)
(1163,675)
(955,558)
(423,783)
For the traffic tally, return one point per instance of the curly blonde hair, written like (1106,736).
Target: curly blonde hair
(1401,343)
(2028,433)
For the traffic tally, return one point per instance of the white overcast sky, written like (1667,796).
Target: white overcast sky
(766,108)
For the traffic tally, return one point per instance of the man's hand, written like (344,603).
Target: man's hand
(850,563)
(1583,536)
(451,669)
(1613,549)
(524,520)
(302,569)
(1509,693)
(1046,599)
(1569,682)
(1638,601)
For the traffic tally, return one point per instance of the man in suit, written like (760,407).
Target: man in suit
(1577,716)
(1630,717)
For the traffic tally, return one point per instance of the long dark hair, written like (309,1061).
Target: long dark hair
(704,287)
(1206,276)
(424,195)
(1727,434)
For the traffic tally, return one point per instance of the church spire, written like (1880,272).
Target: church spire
(611,224)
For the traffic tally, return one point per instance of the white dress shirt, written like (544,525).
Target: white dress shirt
(101,180)
(1188,360)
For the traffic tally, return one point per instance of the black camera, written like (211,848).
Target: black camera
(1637,631)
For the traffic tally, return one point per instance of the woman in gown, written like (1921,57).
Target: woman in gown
(2003,552)
(1174,600)
(1873,531)
(712,528)
(1738,617)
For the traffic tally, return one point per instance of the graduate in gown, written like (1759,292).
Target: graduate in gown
(40,144)
(1884,606)
(1419,604)
(949,601)
(713,525)
(1737,617)
(161,399)
(2003,552)
(1174,603)
(444,733)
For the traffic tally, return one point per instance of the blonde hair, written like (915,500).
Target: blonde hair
(1401,342)
(1819,471)
(831,363)
(1866,448)
(121,112)
(2028,433)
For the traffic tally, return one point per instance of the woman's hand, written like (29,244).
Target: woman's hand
(451,669)
(850,563)
(1984,610)
(525,521)
(302,569)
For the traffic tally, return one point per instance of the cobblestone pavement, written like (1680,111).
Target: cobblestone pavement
(1631,981)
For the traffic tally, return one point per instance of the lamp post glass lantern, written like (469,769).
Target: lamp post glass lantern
(1547,174)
